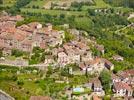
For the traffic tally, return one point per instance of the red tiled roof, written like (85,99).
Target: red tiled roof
(43,45)
(40,98)
(27,42)
(66,47)
(82,65)
(114,76)
(100,47)
(95,97)
(95,61)
(121,85)
(96,82)
(107,62)
(127,73)
(130,72)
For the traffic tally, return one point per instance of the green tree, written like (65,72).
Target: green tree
(105,78)
(68,37)
(19,4)
(22,3)
(91,12)
(65,71)
(17,53)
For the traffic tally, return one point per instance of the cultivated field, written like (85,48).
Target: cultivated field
(53,12)
(47,3)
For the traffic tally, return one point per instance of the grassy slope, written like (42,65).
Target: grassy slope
(52,12)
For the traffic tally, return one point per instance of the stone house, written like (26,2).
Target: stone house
(115,78)
(40,98)
(122,89)
(63,59)
(93,66)
(26,45)
(118,58)
(100,48)
(109,65)
(48,60)
(87,56)
(97,86)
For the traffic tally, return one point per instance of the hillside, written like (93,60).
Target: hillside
(124,3)
(64,48)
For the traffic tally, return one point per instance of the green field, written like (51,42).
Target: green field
(100,4)
(53,12)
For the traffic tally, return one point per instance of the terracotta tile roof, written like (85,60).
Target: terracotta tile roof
(82,65)
(107,62)
(95,61)
(114,76)
(89,62)
(130,72)
(46,30)
(62,53)
(25,28)
(70,51)
(121,85)
(16,18)
(19,18)
(2,45)
(19,37)
(34,25)
(40,98)
(66,47)
(126,74)
(81,45)
(42,30)
(27,42)
(100,47)
(97,82)
(95,97)
(7,36)
(9,29)
(60,50)
(43,45)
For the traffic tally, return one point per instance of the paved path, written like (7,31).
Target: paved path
(5,96)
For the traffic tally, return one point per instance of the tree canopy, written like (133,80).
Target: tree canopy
(105,78)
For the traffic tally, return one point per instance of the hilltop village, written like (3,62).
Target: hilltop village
(25,37)
(44,46)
